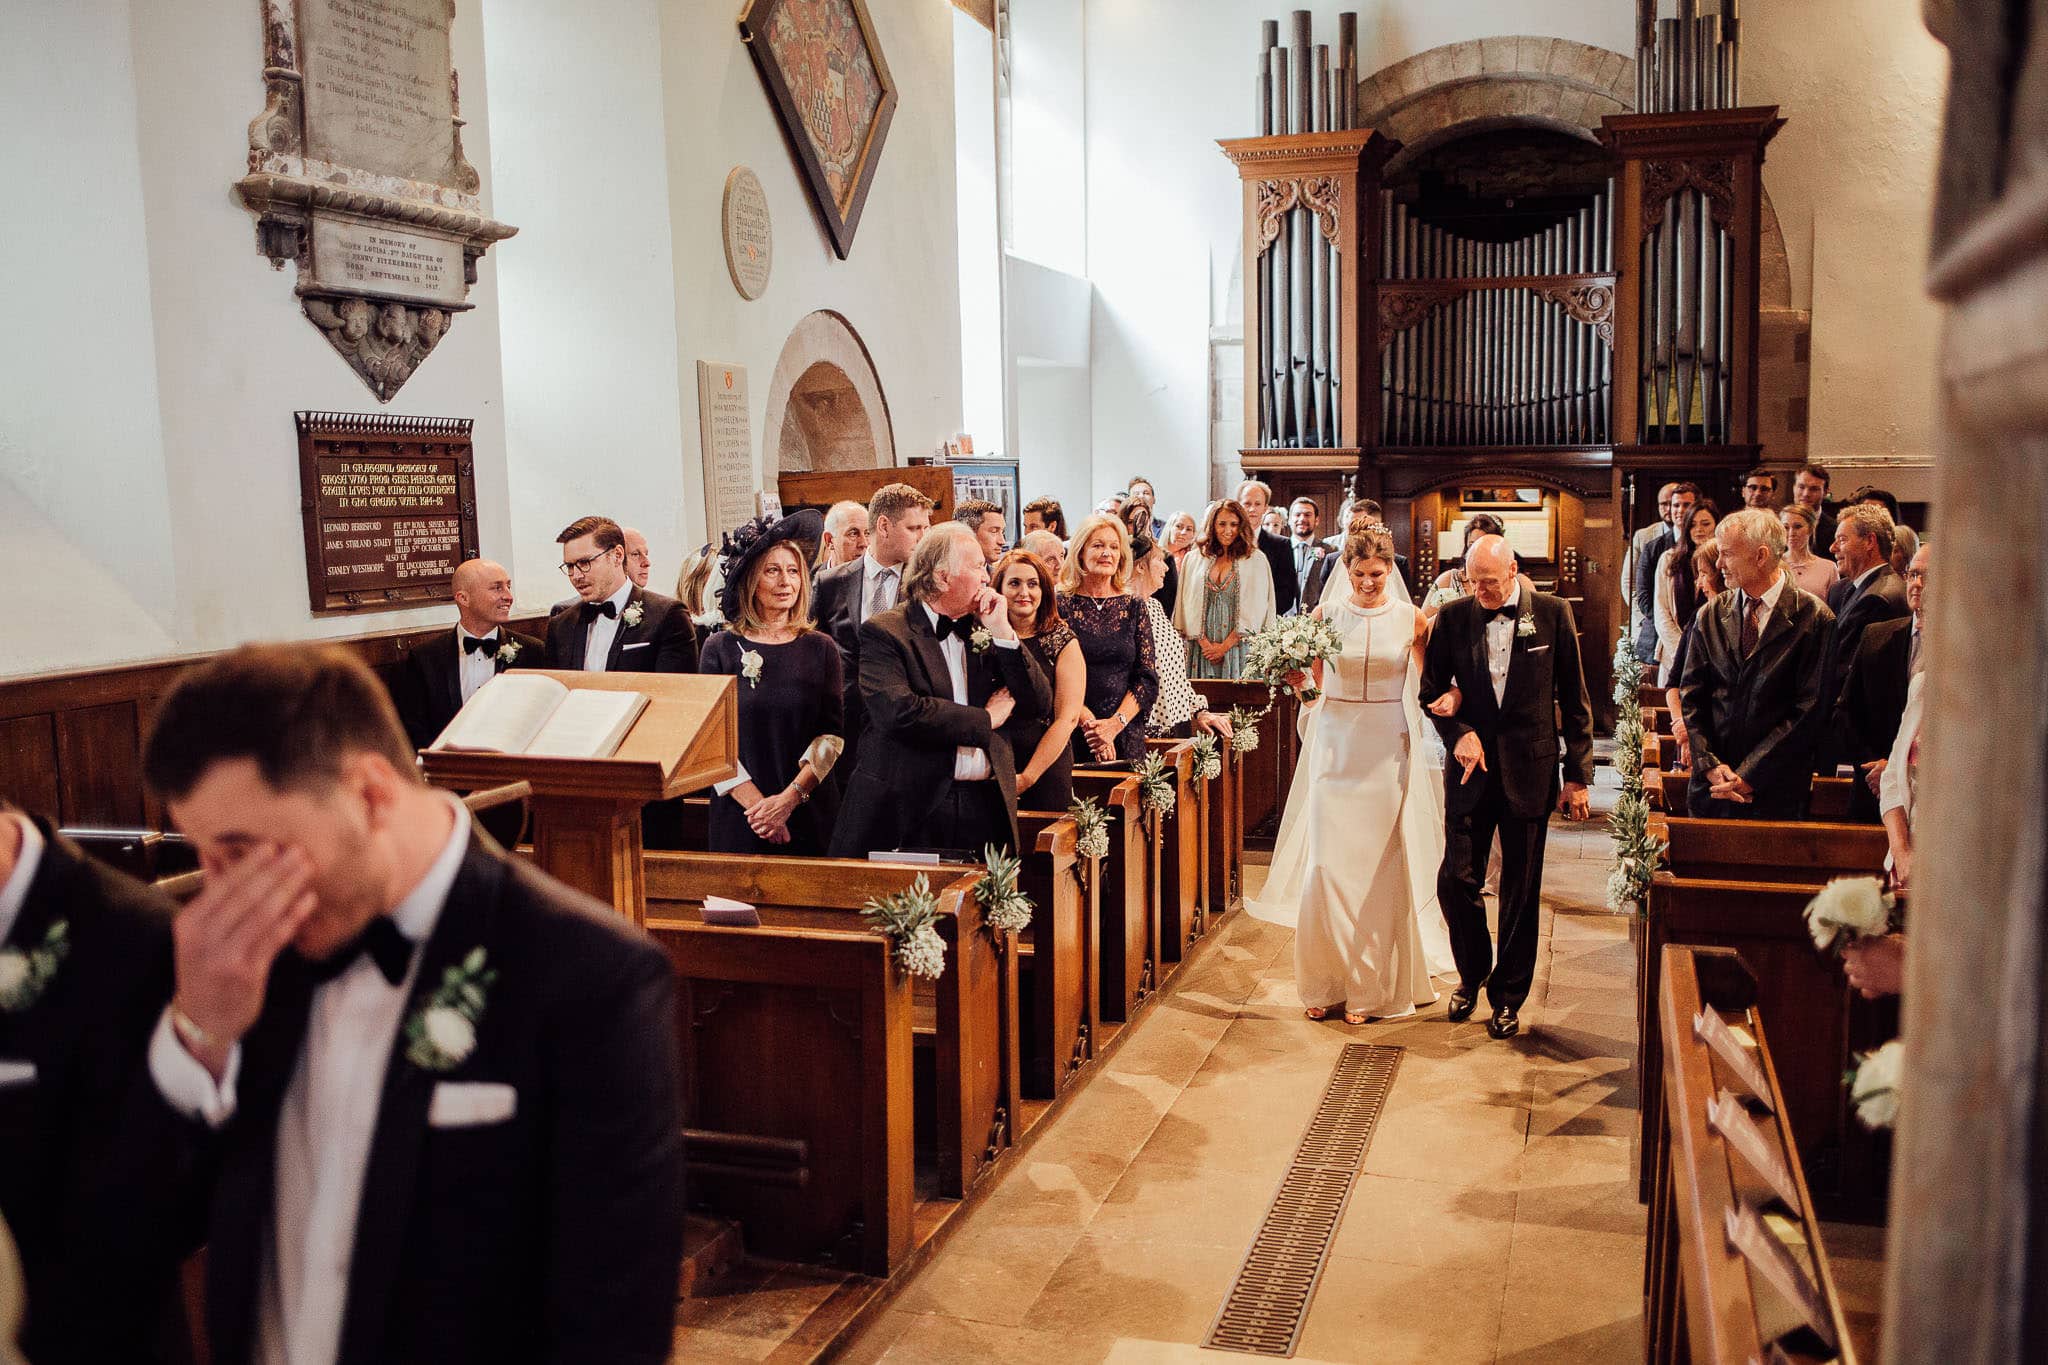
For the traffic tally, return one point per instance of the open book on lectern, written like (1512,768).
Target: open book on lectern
(525,713)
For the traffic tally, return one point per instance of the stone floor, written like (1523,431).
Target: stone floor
(1495,1219)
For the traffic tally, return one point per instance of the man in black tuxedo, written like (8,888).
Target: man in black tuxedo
(430,1097)
(843,598)
(1684,498)
(1503,682)
(1868,591)
(85,969)
(1873,699)
(940,675)
(437,677)
(1255,496)
(615,626)
(1751,688)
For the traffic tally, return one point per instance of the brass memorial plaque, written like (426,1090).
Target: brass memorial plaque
(389,506)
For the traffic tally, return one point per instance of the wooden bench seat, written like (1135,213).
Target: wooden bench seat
(1057,989)
(1127,914)
(1801,851)
(1177,854)
(1268,769)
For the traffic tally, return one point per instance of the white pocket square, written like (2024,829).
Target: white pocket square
(1539,649)
(471,1104)
(16,1073)
(638,644)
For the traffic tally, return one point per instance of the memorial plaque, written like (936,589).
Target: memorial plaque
(377,91)
(387,262)
(749,236)
(390,508)
(726,431)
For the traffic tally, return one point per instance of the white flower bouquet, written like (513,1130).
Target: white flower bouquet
(1004,908)
(1293,644)
(909,919)
(1874,1085)
(1849,907)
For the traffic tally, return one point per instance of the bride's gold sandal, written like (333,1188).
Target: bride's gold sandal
(1318,1012)
(1351,1018)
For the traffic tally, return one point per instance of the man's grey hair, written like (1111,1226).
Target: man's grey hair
(836,519)
(1754,526)
(1870,521)
(1044,544)
(936,554)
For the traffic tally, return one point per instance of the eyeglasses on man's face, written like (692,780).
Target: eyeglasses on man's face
(573,567)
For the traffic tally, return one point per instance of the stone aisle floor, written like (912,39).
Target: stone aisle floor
(1495,1218)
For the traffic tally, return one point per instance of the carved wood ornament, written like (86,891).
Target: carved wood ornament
(1321,195)
(1712,177)
(1587,298)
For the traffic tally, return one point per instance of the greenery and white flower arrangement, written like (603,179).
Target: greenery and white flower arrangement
(26,974)
(979,639)
(634,614)
(1291,645)
(909,919)
(1208,758)
(750,666)
(1849,908)
(1156,784)
(1091,828)
(441,1033)
(1244,729)
(1874,1085)
(1525,624)
(507,652)
(1003,907)
(1636,850)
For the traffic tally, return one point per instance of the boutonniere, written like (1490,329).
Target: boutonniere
(441,1033)
(1525,624)
(750,667)
(979,639)
(507,652)
(634,614)
(24,976)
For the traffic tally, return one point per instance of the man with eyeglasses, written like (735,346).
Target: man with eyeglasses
(615,625)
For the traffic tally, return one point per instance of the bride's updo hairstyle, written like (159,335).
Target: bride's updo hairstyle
(1374,542)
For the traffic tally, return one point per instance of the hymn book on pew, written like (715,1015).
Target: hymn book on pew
(525,713)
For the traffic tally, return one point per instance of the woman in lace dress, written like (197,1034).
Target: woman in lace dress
(1116,641)
(1045,762)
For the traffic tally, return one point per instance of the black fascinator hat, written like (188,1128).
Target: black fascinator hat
(743,546)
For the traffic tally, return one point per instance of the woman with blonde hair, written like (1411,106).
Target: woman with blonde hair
(1116,643)
(1815,573)
(1226,592)
(790,722)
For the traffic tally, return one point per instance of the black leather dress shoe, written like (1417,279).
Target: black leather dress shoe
(1505,1023)
(1461,1007)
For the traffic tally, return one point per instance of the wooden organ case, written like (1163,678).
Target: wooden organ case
(1513,320)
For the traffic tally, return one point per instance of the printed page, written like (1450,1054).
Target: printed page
(504,715)
(588,724)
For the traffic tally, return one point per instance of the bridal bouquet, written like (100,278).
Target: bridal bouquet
(1293,644)
(1851,908)
(1874,1085)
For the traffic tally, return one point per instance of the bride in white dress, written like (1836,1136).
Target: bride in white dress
(1356,863)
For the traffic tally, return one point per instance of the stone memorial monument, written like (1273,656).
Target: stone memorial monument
(725,429)
(748,232)
(357,174)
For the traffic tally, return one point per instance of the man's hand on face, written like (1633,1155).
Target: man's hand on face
(994,614)
(226,940)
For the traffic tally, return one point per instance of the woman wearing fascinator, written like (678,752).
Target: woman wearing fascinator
(790,686)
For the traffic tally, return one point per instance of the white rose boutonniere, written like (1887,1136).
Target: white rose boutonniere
(634,615)
(1874,1085)
(26,974)
(750,667)
(1525,624)
(441,1033)
(979,639)
(507,652)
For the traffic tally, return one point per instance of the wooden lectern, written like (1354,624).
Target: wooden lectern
(586,811)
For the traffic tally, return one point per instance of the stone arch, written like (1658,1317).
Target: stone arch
(1482,83)
(826,409)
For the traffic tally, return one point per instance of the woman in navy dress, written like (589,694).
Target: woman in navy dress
(1045,762)
(1116,642)
(790,725)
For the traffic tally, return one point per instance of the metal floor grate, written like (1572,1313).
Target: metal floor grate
(1267,1305)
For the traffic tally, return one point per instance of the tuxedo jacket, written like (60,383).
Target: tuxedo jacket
(1757,715)
(914,725)
(665,641)
(428,685)
(1882,599)
(551,1235)
(1643,595)
(1279,553)
(1872,702)
(835,607)
(95,1224)
(1544,705)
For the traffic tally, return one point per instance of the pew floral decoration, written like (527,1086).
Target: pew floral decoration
(1849,908)
(441,1033)
(909,919)
(25,975)
(507,652)
(1208,759)
(1874,1085)
(1244,730)
(1636,850)
(1091,828)
(1156,784)
(1004,908)
(633,615)
(750,666)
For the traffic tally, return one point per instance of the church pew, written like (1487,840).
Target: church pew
(1058,992)
(1703,1301)
(1268,769)
(750,1023)
(1225,859)
(1127,915)
(1820,1020)
(1177,854)
(1807,852)
(1828,803)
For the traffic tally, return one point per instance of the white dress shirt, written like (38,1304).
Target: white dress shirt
(474,670)
(1895,784)
(891,579)
(1500,643)
(969,763)
(14,892)
(324,1127)
(602,630)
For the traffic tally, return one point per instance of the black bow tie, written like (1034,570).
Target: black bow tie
(593,610)
(1504,613)
(390,949)
(479,644)
(962,626)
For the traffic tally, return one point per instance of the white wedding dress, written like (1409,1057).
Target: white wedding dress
(1355,865)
